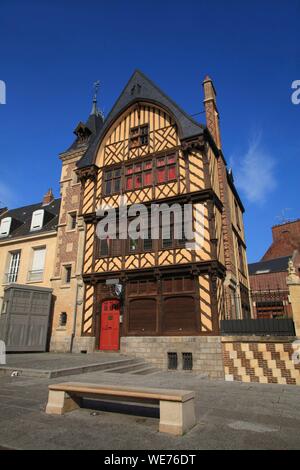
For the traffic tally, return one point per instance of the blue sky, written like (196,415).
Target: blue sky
(51,52)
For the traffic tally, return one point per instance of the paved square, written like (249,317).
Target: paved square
(230,415)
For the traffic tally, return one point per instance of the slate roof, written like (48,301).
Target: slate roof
(94,124)
(22,217)
(271,266)
(139,88)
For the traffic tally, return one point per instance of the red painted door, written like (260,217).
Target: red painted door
(110,324)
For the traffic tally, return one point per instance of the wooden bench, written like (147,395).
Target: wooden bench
(177,409)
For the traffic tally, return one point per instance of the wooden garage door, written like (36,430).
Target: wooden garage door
(179,315)
(142,316)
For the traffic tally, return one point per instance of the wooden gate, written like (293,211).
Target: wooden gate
(24,320)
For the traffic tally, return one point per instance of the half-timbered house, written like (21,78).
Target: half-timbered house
(150,151)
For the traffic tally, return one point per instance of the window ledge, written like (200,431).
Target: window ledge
(61,328)
(35,282)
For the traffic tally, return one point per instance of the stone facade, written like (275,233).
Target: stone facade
(69,252)
(206,351)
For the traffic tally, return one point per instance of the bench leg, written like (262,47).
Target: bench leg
(60,402)
(176,417)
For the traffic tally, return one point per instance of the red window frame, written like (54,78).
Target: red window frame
(166,169)
(138,175)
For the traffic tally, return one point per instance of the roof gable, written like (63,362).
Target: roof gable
(141,88)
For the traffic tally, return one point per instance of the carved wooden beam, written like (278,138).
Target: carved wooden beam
(86,173)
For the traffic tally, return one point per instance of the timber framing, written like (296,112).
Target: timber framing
(197,196)
(195,269)
(168,289)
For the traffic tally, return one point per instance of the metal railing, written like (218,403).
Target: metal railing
(258,304)
(259,327)
(271,314)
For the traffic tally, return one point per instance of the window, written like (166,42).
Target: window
(75,178)
(112,181)
(241,257)
(133,245)
(173,241)
(37,220)
(109,247)
(138,175)
(237,215)
(141,174)
(139,136)
(187,361)
(13,266)
(166,168)
(63,319)
(5,226)
(172,360)
(68,273)
(72,221)
(38,263)
(140,244)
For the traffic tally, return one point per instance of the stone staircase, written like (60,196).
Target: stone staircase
(133,366)
(63,365)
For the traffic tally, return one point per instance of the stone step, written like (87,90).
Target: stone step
(46,373)
(128,368)
(146,371)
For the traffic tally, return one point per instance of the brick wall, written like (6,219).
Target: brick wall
(286,239)
(269,281)
(260,360)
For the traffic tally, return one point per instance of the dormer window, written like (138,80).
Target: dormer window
(5,226)
(37,220)
(82,132)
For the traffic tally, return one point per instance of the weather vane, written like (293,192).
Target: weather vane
(96,88)
(95,111)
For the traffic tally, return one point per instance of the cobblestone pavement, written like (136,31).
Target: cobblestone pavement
(230,415)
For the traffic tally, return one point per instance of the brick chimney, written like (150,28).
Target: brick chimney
(211,110)
(212,123)
(48,197)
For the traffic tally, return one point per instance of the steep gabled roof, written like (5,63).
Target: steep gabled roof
(141,88)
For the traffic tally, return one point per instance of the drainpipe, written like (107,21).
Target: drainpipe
(74,317)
